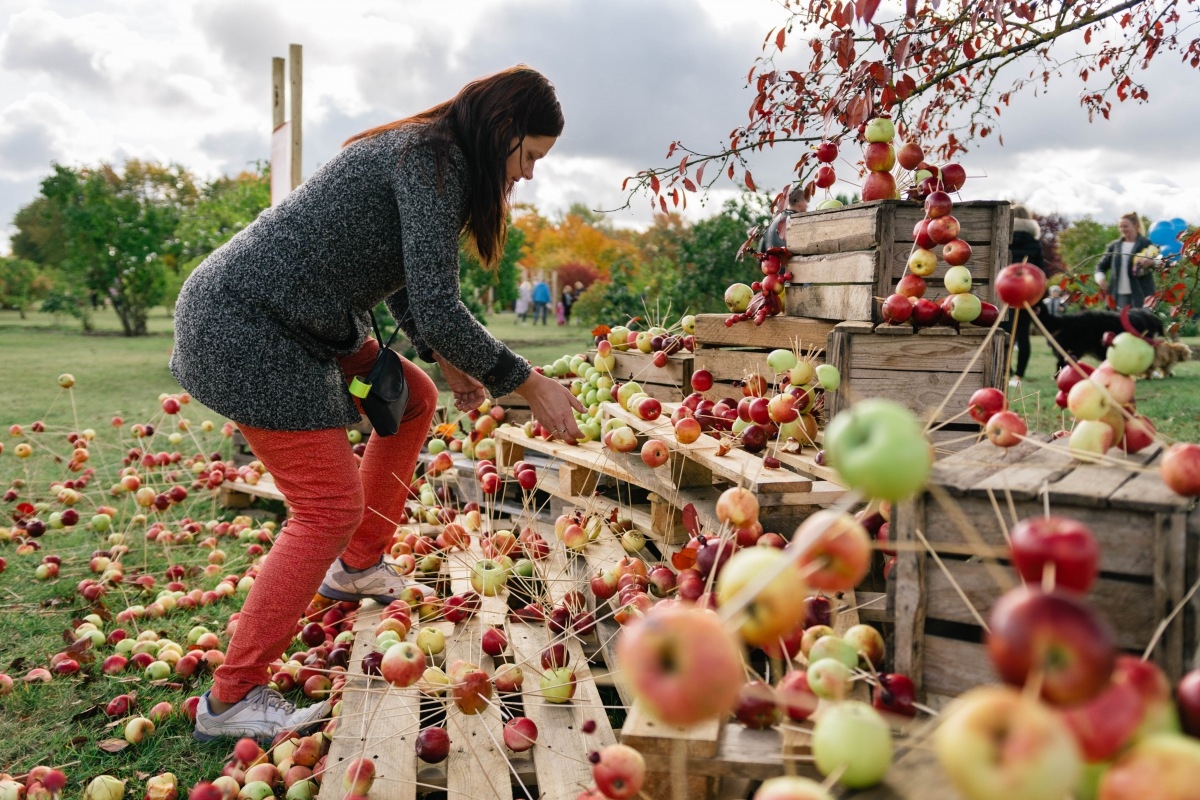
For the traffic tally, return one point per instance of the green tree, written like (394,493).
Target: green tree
(39,237)
(707,262)
(225,206)
(1082,244)
(119,232)
(21,284)
(475,279)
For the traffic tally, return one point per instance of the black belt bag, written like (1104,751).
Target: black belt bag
(383,393)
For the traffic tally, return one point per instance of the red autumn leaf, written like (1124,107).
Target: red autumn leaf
(654,183)
(780,38)
(684,559)
(910,9)
(687,184)
(700,174)
(867,10)
(601,330)
(691,519)
(750,182)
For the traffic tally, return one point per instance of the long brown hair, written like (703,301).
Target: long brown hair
(482,119)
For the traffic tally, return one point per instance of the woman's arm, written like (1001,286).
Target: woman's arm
(431,202)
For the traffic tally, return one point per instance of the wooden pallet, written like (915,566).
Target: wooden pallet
(1149,556)
(382,723)
(846,258)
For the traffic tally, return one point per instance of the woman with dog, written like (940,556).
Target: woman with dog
(1026,246)
(1120,272)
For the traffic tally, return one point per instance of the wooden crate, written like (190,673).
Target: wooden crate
(672,382)
(920,370)
(847,259)
(734,353)
(1148,558)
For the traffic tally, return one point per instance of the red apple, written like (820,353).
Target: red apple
(826,176)
(432,745)
(1021,285)
(879,156)
(1056,634)
(956,252)
(402,664)
(921,235)
(926,313)
(1067,544)
(895,695)
(520,734)
(619,772)
(879,186)
(988,314)
(835,551)
(943,229)
(911,286)
(798,700)
(1181,469)
(1006,429)
(826,152)
(655,453)
(757,706)
(985,403)
(897,308)
(1165,767)
(952,177)
(910,155)
(702,380)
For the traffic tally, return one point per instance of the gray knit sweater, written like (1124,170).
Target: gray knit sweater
(260,324)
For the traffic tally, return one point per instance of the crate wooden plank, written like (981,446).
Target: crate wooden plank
(964,471)
(849,301)
(917,354)
(980,264)
(923,396)
(976,220)
(835,230)
(805,463)
(734,365)
(1122,602)
(265,488)
(856,267)
(777,331)
(1028,478)
(952,667)
(640,367)
(1147,492)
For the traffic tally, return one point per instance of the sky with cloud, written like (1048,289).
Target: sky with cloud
(188,81)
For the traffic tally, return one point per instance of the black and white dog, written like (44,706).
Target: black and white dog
(1082,333)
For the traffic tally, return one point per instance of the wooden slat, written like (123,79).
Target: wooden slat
(838,268)
(1122,602)
(1028,478)
(917,353)
(373,724)
(964,471)
(265,488)
(922,395)
(980,264)
(851,301)
(838,230)
(734,365)
(1147,492)
(640,367)
(952,667)
(778,331)
(906,594)
(976,220)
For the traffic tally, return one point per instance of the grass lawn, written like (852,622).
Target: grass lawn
(63,722)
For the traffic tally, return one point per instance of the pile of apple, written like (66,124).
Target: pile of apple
(1075,718)
(665,339)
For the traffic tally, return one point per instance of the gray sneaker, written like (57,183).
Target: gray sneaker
(381,583)
(261,715)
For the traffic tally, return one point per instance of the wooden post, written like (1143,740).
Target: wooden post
(277,99)
(295,56)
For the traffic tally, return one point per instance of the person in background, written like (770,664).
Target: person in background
(380,222)
(1120,272)
(1026,246)
(541,301)
(566,300)
(524,300)
(1055,304)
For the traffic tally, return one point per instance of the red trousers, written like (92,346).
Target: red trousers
(337,508)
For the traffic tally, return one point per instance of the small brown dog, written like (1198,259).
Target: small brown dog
(1166,356)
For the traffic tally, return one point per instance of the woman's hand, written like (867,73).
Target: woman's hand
(468,392)
(551,404)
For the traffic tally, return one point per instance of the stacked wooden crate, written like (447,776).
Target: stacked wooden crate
(847,260)
(951,544)
(671,382)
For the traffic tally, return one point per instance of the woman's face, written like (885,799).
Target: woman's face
(1128,230)
(525,153)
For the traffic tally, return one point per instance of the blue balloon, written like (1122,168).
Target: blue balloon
(1171,249)
(1162,233)
(1179,225)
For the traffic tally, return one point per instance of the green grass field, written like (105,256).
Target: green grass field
(62,722)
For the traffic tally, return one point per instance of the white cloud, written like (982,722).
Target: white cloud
(189,81)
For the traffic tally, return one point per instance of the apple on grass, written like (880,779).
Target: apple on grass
(996,744)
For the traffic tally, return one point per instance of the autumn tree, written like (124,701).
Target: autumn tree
(22,284)
(944,71)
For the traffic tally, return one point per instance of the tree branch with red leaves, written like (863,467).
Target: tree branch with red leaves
(944,71)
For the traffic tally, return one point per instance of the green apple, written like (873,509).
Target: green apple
(781,360)
(922,262)
(488,577)
(829,203)
(880,129)
(957,280)
(627,391)
(853,740)
(1130,355)
(558,685)
(738,297)
(879,448)
(431,641)
(688,324)
(802,373)
(829,377)
(965,307)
